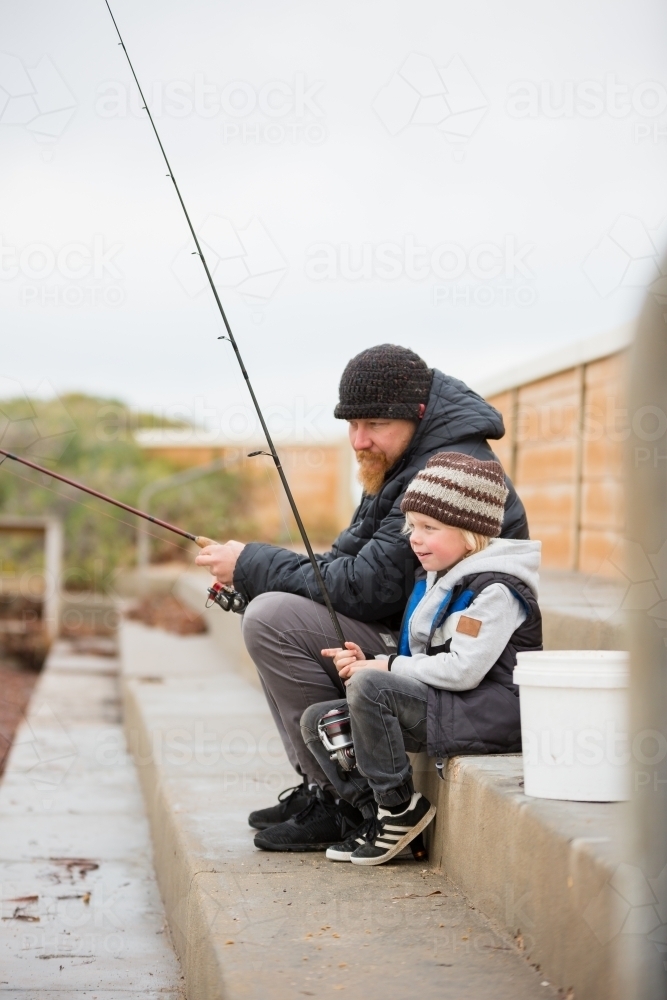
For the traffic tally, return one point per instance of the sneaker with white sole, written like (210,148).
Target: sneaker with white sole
(344,851)
(358,837)
(392,832)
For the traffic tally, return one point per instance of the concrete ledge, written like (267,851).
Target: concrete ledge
(538,868)
(251,924)
(582,612)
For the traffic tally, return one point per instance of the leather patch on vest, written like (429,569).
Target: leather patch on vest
(469,626)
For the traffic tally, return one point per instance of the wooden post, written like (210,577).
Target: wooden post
(644,973)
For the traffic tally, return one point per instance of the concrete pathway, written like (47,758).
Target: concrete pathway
(81,912)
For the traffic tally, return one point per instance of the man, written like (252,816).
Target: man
(399,413)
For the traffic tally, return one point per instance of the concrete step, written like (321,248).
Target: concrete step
(541,870)
(581,611)
(252,924)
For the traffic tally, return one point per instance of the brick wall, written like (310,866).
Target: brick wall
(563,449)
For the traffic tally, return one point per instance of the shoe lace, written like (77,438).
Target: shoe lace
(316,804)
(288,794)
(368,829)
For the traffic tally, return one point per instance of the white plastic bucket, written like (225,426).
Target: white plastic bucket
(575,724)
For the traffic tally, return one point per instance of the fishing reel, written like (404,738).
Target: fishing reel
(335,731)
(226,598)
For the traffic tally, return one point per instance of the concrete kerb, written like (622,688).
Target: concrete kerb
(177,875)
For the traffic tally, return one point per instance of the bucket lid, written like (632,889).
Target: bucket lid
(578,668)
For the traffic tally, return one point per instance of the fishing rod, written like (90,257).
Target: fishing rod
(272,453)
(225,597)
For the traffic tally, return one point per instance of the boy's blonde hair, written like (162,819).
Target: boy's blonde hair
(473,540)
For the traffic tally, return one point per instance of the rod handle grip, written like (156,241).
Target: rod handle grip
(202,541)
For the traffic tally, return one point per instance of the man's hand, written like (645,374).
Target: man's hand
(221,560)
(351,659)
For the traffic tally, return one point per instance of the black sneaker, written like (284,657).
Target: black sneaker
(290,802)
(392,832)
(344,851)
(322,823)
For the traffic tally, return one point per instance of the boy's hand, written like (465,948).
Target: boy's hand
(362,665)
(344,657)
(347,661)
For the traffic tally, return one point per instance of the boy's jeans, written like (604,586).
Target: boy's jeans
(388,715)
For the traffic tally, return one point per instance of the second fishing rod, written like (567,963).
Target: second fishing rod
(226,597)
(230,337)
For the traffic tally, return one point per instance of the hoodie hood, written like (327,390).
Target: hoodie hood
(516,557)
(513,556)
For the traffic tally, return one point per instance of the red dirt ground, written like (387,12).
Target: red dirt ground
(16,686)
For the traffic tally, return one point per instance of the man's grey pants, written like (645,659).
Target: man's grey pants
(284,635)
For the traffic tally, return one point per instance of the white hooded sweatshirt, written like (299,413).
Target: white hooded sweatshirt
(492,617)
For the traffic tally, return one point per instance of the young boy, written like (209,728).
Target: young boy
(449,688)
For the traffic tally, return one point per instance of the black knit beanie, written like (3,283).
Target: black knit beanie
(387,382)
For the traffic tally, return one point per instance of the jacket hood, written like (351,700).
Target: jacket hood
(454,412)
(517,557)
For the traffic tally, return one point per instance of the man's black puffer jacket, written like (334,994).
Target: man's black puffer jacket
(370,570)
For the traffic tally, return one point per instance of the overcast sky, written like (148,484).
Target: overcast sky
(482,182)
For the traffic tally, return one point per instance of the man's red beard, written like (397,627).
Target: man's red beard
(373,466)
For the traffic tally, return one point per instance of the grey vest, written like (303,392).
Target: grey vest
(485,719)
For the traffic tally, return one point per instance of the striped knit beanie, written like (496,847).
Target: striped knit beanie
(460,491)
(385,382)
